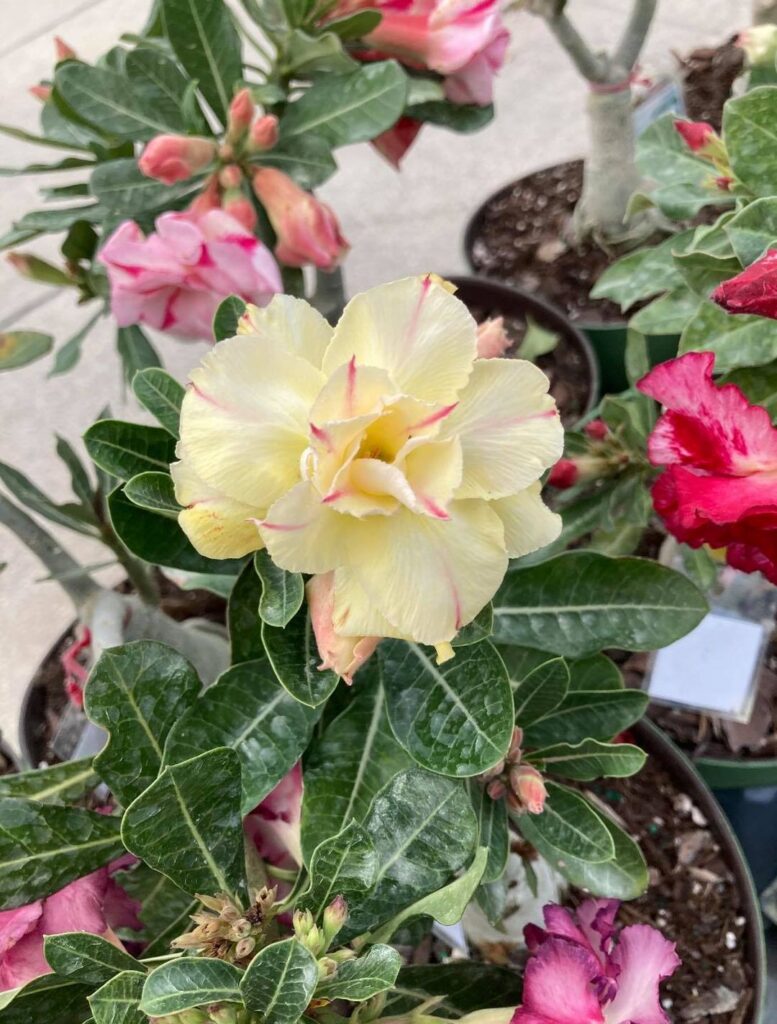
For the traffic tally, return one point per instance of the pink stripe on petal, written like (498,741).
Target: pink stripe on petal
(434,509)
(322,436)
(435,417)
(350,387)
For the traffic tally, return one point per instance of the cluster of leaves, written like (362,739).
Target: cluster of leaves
(178,76)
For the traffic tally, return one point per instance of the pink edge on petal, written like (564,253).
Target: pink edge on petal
(433,509)
(322,436)
(280,527)
(333,496)
(435,417)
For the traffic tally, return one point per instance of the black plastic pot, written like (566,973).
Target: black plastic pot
(658,745)
(33,709)
(497,299)
(607,339)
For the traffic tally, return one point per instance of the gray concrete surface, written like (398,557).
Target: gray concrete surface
(397,224)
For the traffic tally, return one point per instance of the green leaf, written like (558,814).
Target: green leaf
(18,348)
(624,876)
(753,230)
(735,340)
(282,592)
(642,274)
(60,783)
(204,38)
(227,317)
(280,981)
(363,977)
(158,81)
(28,494)
(668,314)
(493,830)
(539,680)
(161,395)
(121,188)
(345,768)
(117,1001)
(748,128)
(355,26)
(708,259)
(37,140)
(457,117)
(537,341)
(571,827)
(68,164)
(345,865)
(45,998)
(60,219)
(191,981)
(43,847)
(456,718)
(293,654)
(154,492)
(663,155)
(126,449)
(102,98)
(136,693)
(67,355)
(243,622)
(479,629)
(82,956)
(758,383)
(349,108)
(308,55)
(594,673)
(246,709)
(135,351)
(44,272)
(457,987)
(581,602)
(188,826)
(685,200)
(306,158)
(79,479)
(424,830)
(590,759)
(588,714)
(165,909)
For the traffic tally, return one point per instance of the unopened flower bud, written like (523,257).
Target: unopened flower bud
(724,182)
(230,176)
(62,51)
(493,773)
(580,470)
(172,158)
(241,113)
(496,789)
(239,206)
(514,750)
(493,339)
(241,928)
(223,1013)
(335,916)
(597,430)
(343,654)
(193,1016)
(702,139)
(41,92)
(528,789)
(245,948)
(327,968)
(264,133)
(209,198)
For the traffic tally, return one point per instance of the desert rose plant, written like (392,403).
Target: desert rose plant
(360,489)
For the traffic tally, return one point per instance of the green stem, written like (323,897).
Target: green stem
(139,574)
(634,35)
(590,65)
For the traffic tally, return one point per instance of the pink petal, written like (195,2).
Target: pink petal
(15,924)
(274,825)
(557,986)
(644,957)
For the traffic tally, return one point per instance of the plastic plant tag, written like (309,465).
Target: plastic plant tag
(662,98)
(715,669)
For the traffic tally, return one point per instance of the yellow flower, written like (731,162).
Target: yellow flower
(381,450)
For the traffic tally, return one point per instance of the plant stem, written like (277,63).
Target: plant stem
(78,586)
(140,575)
(634,35)
(590,65)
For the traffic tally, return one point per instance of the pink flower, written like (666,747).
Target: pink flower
(307,230)
(172,158)
(343,654)
(695,134)
(175,279)
(493,339)
(583,970)
(753,291)
(720,487)
(94,904)
(274,826)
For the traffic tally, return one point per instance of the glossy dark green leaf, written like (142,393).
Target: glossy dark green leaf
(82,956)
(135,351)
(248,710)
(189,982)
(748,126)
(589,760)
(588,714)
(205,40)
(280,981)
(596,672)
(157,80)
(161,394)
(458,117)
(540,682)
(59,783)
(753,230)
(227,317)
(345,865)
(424,829)
(492,828)
(43,847)
(458,988)
(294,657)
(479,629)
(121,188)
(282,592)
(102,98)
(305,158)
(363,977)
(46,998)
(126,449)
(165,909)
(580,602)
(188,824)
(570,826)
(18,348)
(243,622)
(349,764)
(154,492)
(668,314)
(456,718)
(136,693)
(117,1001)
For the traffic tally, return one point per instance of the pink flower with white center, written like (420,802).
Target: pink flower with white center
(274,826)
(584,970)
(175,278)
(94,904)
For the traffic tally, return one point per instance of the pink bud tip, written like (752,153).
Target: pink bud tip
(724,183)
(264,132)
(40,92)
(528,787)
(62,50)
(241,113)
(564,474)
(695,134)
(596,429)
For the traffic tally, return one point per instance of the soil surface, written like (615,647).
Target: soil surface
(708,76)
(54,723)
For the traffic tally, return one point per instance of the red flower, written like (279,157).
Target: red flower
(564,474)
(720,487)
(752,291)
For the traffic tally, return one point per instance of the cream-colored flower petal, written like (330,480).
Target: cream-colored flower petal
(291,324)
(416,330)
(244,420)
(352,391)
(369,487)
(433,471)
(217,526)
(352,608)
(428,577)
(509,428)
(529,523)
(304,535)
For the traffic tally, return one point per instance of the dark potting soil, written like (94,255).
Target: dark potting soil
(565,366)
(693,897)
(48,706)
(708,77)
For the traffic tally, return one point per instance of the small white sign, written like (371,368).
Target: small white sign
(714,668)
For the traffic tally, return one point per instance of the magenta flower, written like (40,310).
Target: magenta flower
(95,904)
(175,279)
(583,970)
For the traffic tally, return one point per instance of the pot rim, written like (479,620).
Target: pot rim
(516,297)
(655,741)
